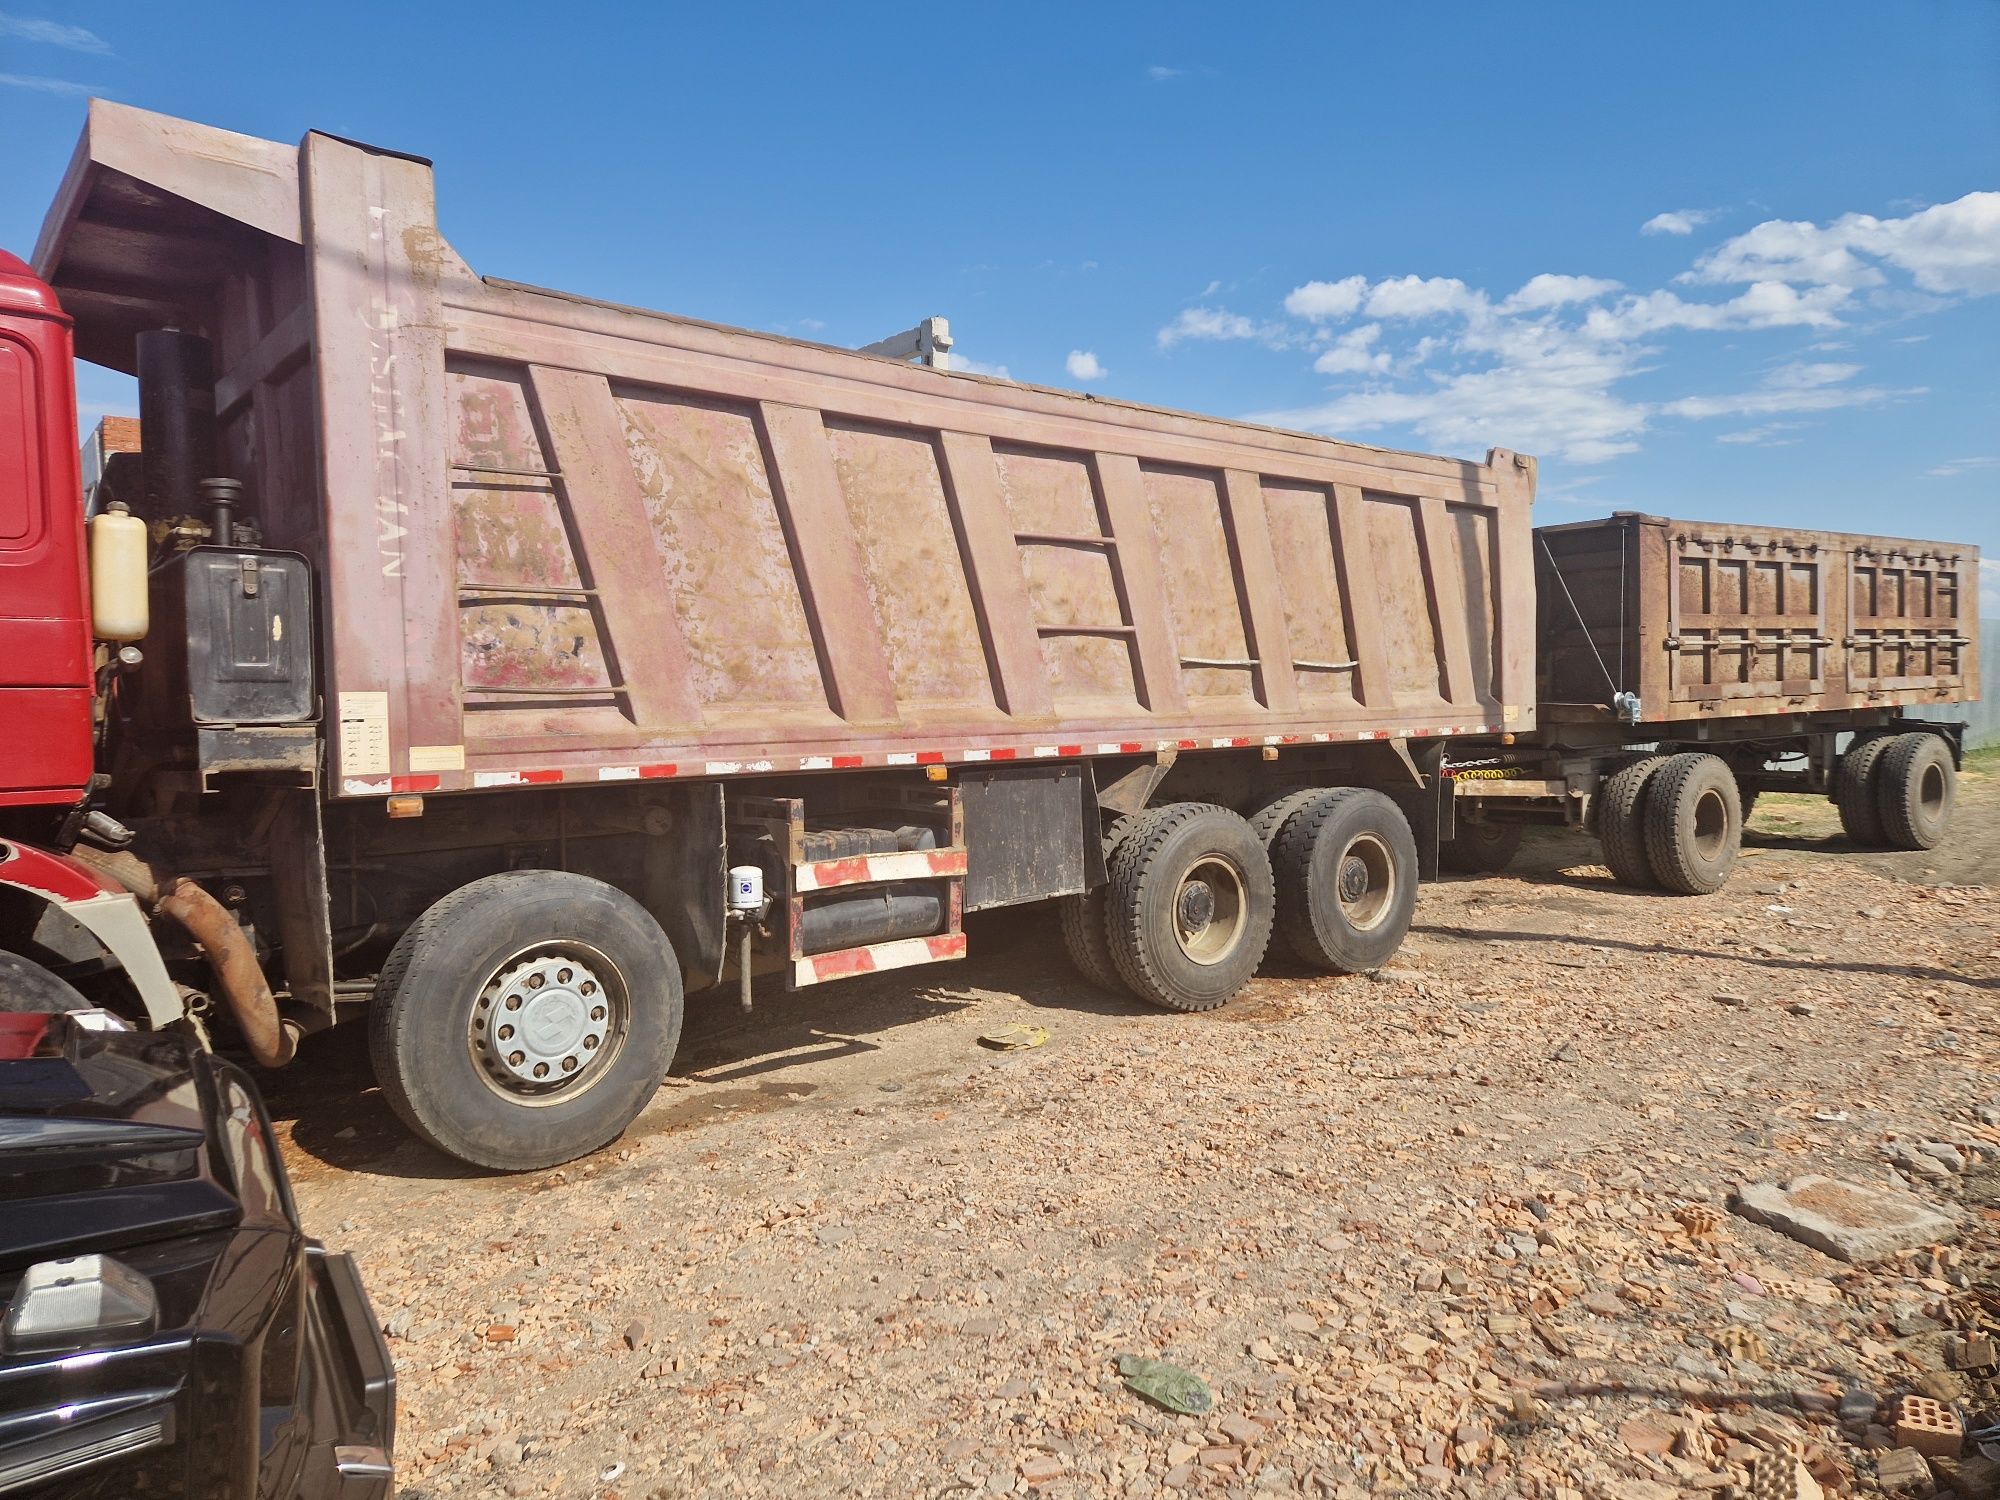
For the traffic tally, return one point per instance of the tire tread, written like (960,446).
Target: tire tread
(1621,826)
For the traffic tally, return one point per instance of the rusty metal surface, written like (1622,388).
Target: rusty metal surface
(1709,620)
(562,539)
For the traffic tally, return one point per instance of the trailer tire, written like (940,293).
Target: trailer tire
(1476,848)
(536,943)
(1190,905)
(1916,785)
(1694,823)
(1855,792)
(1621,821)
(25,986)
(1346,868)
(1082,918)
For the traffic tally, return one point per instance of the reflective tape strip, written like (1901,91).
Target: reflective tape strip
(903,953)
(868,869)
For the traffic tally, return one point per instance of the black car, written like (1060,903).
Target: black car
(166,1328)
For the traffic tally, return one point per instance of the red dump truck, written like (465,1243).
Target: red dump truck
(500,664)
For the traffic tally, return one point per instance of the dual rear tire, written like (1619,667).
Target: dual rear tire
(1671,822)
(1896,791)
(1196,893)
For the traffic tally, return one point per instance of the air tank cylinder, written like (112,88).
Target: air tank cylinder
(176,420)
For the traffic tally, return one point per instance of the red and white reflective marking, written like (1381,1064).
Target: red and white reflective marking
(903,953)
(383,786)
(865,869)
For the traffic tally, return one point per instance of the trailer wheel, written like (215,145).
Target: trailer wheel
(1915,785)
(1347,881)
(525,1019)
(1854,792)
(1621,821)
(25,986)
(1479,848)
(1190,906)
(1084,936)
(1694,823)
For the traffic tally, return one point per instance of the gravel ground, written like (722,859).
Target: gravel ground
(1458,1228)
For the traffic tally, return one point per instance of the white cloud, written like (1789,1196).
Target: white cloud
(1353,353)
(1948,247)
(1766,436)
(44,85)
(1799,376)
(52,34)
(1768,304)
(1210,324)
(1083,365)
(980,367)
(1318,301)
(1788,389)
(1548,290)
(1677,221)
(1421,297)
(1547,368)
(1212,288)
(1161,74)
(1952,468)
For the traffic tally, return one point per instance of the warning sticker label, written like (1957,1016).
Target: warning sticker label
(364,734)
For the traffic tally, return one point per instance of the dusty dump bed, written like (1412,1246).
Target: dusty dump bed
(561,540)
(1706,620)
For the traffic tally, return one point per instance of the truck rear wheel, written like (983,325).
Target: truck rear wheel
(1694,823)
(526,1019)
(1915,787)
(1620,807)
(1190,906)
(25,986)
(1479,848)
(1082,919)
(1346,866)
(1855,792)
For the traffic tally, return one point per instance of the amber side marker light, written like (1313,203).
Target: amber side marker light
(406,807)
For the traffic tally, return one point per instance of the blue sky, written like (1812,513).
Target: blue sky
(1718,261)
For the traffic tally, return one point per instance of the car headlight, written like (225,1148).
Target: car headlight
(64,1305)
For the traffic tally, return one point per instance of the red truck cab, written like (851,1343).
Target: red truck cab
(45,647)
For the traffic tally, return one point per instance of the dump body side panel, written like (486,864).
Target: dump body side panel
(560,540)
(1706,620)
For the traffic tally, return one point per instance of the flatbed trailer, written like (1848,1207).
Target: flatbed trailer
(1684,667)
(507,663)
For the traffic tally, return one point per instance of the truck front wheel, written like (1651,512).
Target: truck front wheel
(526,1019)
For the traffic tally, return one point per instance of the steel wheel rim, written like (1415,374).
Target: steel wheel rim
(548,1022)
(1365,881)
(1930,791)
(1211,909)
(1711,825)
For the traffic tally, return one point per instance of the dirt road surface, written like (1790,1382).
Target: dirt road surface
(1445,1230)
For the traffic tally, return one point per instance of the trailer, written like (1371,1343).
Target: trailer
(497,666)
(1685,666)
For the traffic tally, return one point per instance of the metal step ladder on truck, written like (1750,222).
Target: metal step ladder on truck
(497,666)
(1685,667)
